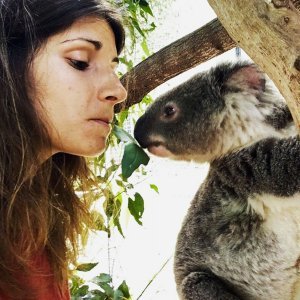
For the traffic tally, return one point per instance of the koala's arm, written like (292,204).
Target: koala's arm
(269,166)
(202,286)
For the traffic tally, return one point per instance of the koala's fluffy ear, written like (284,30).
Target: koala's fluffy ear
(248,78)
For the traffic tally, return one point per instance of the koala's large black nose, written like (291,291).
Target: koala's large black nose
(140,131)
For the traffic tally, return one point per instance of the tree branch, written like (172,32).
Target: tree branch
(182,55)
(269,32)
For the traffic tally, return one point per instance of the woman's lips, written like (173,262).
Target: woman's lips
(104,123)
(100,121)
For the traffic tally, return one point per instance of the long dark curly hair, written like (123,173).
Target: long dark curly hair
(39,209)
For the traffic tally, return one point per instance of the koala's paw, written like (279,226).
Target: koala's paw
(201,286)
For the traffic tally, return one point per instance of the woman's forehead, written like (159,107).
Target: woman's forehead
(88,27)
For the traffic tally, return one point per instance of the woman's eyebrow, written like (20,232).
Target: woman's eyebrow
(96,44)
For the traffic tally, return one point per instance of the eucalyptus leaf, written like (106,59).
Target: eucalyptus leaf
(106,278)
(145,6)
(116,214)
(137,27)
(110,170)
(122,135)
(86,267)
(76,283)
(136,207)
(145,48)
(98,221)
(98,295)
(119,227)
(133,157)
(83,291)
(107,289)
(154,188)
(118,295)
(122,116)
(124,288)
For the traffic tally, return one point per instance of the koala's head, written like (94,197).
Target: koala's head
(212,114)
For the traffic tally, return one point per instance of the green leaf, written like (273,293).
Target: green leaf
(120,183)
(124,288)
(147,100)
(107,289)
(82,291)
(118,295)
(122,115)
(128,63)
(98,221)
(154,187)
(106,278)
(136,207)
(97,295)
(76,282)
(86,267)
(137,27)
(110,170)
(108,204)
(96,292)
(133,157)
(116,215)
(145,47)
(119,227)
(123,135)
(145,7)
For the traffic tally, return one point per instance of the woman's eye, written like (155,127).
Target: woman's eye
(78,64)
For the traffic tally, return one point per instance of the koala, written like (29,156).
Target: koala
(240,238)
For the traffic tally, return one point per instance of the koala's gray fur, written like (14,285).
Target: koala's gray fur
(241,236)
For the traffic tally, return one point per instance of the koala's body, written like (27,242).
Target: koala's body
(241,236)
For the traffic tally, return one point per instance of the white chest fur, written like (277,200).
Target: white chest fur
(282,217)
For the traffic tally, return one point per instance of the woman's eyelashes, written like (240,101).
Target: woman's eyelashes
(78,64)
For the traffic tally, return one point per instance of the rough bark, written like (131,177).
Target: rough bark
(296,4)
(182,55)
(269,32)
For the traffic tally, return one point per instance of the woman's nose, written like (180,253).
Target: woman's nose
(112,90)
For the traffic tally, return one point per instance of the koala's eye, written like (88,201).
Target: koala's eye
(169,111)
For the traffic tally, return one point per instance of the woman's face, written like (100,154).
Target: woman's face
(76,87)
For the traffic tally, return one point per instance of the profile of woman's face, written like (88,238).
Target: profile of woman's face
(76,87)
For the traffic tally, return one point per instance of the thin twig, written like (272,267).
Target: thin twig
(155,275)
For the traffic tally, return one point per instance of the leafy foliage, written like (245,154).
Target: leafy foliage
(112,173)
(113,183)
(104,291)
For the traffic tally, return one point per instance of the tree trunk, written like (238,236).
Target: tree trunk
(197,47)
(269,32)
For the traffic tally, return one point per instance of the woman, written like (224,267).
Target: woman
(58,88)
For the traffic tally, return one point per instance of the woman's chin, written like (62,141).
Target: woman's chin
(90,149)
(94,146)
(97,150)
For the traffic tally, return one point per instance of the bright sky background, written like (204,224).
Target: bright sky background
(139,256)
